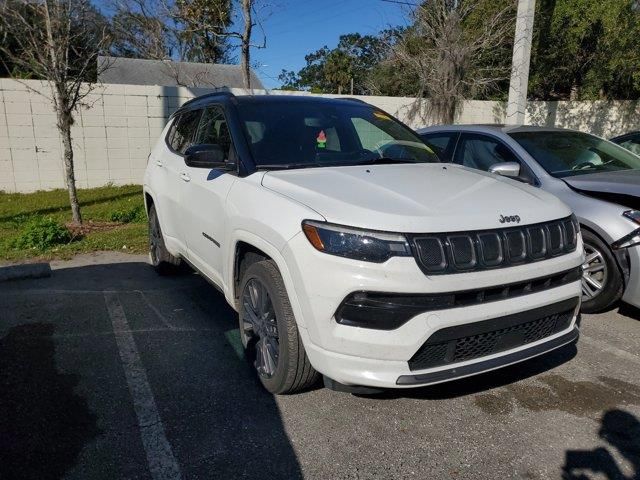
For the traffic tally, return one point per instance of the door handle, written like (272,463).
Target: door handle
(158,162)
(185,177)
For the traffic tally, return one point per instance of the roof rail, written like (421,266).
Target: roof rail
(351,99)
(222,93)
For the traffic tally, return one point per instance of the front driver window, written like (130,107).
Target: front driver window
(213,129)
(481,152)
(633,145)
(182,135)
(440,143)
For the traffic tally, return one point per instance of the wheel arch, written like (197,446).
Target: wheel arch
(621,256)
(148,201)
(248,243)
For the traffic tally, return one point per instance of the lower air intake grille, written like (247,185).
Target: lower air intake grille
(467,342)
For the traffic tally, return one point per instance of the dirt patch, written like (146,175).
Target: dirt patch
(79,231)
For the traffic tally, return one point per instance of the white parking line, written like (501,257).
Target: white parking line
(162,463)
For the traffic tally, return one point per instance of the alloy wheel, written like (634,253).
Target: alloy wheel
(260,327)
(154,241)
(594,273)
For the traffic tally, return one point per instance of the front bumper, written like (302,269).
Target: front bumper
(491,364)
(632,291)
(379,358)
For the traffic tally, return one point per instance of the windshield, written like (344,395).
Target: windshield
(564,154)
(312,134)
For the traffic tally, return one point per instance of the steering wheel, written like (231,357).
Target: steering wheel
(582,165)
(394,150)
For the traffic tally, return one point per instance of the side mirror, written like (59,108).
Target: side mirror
(506,169)
(205,156)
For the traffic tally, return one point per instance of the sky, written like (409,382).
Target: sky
(297,27)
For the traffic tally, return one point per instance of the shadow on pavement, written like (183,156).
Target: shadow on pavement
(217,418)
(43,424)
(629,311)
(621,430)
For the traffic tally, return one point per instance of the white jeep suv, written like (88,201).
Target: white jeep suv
(350,251)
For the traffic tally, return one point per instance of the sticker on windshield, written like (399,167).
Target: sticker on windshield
(381,115)
(322,139)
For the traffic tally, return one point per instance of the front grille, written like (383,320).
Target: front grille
(467,342)
(441,253)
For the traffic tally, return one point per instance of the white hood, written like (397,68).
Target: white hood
(414,198)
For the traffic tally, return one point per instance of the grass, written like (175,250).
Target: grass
(107,207)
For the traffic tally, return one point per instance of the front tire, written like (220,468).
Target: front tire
(269,331)
(602,283)
(162,261)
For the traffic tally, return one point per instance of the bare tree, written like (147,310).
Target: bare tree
(451,50)
(186,30)
(214,26)
(142,29)
(57,42)
(245,46)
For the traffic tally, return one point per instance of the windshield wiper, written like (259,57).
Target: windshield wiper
(370,161)
(286,166)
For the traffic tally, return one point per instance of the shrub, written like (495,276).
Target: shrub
(134,214)
(41,234)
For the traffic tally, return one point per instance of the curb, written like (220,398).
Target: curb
(28,270)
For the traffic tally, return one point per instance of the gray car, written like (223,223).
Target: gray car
(598,179)
(630,141)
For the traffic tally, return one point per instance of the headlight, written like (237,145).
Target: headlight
(354,243)
(633,215)
(632,239)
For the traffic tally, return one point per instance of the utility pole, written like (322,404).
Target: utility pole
(520,64)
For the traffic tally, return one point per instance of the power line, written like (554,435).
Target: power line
(400,2)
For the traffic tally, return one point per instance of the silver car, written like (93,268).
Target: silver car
(598,179)
(630,141)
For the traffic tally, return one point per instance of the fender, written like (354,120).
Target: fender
(171,244)
(240,235)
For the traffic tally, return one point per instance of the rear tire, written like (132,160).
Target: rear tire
(269,331)
(162,261)
(602,283)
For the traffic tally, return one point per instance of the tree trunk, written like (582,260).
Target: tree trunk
(65,121)
(246,43)
(449,112)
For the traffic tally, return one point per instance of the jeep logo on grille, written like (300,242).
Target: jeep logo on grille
(509,219)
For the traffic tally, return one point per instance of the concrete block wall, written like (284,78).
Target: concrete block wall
(113,135)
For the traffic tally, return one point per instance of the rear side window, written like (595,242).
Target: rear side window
(182,131)
(632,144)
(481,152)
(441,143)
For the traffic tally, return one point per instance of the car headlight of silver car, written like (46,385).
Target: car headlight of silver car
(632,238)
(354,243)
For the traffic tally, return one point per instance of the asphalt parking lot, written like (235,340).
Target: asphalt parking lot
(109,371)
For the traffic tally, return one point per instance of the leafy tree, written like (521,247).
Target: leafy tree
(585,50)
(332,70)
(289,80)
